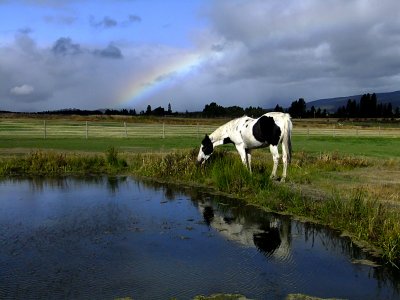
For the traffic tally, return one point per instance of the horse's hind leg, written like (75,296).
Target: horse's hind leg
(285,163)
(275,157)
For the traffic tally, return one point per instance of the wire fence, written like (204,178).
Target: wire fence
(354,131)
(47,129)
(77,129)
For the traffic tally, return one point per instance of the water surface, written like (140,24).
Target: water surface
(104,238)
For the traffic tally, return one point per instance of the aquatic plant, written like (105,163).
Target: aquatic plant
(113,159)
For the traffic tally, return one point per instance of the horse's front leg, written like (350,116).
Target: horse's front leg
(243,155)
(275,157)
(248,158)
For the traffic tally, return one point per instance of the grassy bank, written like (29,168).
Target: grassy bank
(52,164)
(321,186)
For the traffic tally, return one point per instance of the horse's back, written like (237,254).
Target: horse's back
(278,116)
(283,120)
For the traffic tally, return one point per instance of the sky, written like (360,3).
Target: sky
(59,54)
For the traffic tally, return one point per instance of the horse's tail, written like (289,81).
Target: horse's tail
(287,136)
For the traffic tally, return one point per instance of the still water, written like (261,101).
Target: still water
(105,238)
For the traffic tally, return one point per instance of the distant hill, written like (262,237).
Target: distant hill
(332,104)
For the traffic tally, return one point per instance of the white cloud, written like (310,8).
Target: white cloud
(22,90)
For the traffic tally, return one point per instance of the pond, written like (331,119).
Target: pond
(119,237)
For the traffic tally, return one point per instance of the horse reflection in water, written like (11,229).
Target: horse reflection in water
(271,236)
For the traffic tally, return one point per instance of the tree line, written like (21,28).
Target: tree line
(212,110)
(367,107)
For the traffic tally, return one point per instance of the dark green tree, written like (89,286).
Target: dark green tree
(234,111)
(213,110)
(368,105)
(298,108)
(351,108)
(278,108)
(159,111)
(397,112)
(148,110)
(389,110)
(254,112)
(312,113)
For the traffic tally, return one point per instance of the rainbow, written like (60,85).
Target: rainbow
(152,81)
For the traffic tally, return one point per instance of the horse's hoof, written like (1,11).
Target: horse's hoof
(283,179)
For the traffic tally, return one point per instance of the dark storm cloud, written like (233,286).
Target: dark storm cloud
(273,52)
(110,51)
(65,46)
(346,46)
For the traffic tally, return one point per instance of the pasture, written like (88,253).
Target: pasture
(48,127)
(95,134)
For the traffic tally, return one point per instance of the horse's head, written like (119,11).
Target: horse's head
(206,149)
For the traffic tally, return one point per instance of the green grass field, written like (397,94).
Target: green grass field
(21,145)
(378,147)
(374,147)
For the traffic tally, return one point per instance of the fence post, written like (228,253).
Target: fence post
(198,130)
(126,130)
(87,130)
(45,129)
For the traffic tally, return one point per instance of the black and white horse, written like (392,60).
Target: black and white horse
(246,133)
